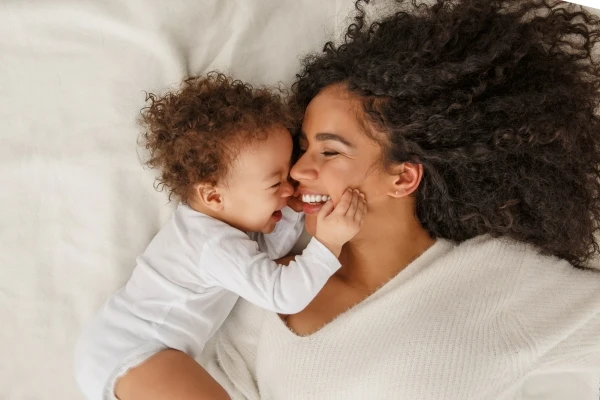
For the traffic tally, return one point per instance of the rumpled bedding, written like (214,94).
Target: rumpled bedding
(76,207)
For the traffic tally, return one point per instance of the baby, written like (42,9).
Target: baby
(224,150)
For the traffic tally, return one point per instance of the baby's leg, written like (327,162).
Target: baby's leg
(169,375)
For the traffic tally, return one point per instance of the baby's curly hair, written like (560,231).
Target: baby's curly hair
(497,99)
(194,134)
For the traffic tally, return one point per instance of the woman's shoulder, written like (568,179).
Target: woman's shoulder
(529,280)
(506,252)
(551,300)
(546,307)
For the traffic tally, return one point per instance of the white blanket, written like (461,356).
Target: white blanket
(76,207)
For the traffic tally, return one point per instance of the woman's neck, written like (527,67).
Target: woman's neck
(383,248)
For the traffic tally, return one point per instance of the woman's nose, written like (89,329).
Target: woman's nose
(303,170)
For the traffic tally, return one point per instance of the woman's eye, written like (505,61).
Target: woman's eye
(330,153)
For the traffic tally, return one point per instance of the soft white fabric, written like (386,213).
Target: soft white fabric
(75,206)
(185,284)
(474,321)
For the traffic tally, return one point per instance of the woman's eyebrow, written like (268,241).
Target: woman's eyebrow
(323,137)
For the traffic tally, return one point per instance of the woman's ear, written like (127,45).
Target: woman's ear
(208,196)
(405,179)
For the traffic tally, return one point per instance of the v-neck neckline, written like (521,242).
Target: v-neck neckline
(439,248)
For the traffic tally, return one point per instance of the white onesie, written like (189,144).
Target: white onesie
(185,284)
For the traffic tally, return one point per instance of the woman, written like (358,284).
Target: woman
(471,127)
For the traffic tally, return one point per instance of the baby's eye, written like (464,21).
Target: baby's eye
(276,185)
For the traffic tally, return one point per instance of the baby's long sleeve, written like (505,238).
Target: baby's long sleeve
(237,265)
(279,243)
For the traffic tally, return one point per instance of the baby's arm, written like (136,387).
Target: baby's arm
(287,231)
(235,262)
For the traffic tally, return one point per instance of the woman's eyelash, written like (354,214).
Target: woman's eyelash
(325,153)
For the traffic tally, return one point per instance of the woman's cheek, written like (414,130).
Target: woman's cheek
(336,197)
(310,224)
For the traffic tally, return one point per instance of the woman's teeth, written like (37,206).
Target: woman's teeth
(312,198)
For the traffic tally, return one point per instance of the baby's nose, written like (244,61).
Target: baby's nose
(287,189)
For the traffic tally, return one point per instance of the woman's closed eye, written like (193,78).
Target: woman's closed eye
(324,153)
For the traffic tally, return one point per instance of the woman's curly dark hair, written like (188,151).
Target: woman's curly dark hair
(497,99)
(193,134)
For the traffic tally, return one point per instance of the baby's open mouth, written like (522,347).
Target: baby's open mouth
(277,215)
(315,198)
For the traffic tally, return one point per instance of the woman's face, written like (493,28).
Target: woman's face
(336,153)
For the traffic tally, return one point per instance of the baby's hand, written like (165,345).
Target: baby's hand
(336,226)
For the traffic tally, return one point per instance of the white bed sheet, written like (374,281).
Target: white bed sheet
(76,207)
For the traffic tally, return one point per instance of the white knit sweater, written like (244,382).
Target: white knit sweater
(473,321)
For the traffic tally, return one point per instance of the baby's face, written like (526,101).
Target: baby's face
(258,186)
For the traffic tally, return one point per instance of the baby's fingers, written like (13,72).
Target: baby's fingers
(325,210)
(353,203)
(361,209)
(344,204)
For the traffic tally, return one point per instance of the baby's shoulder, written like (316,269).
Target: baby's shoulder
(202,228)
